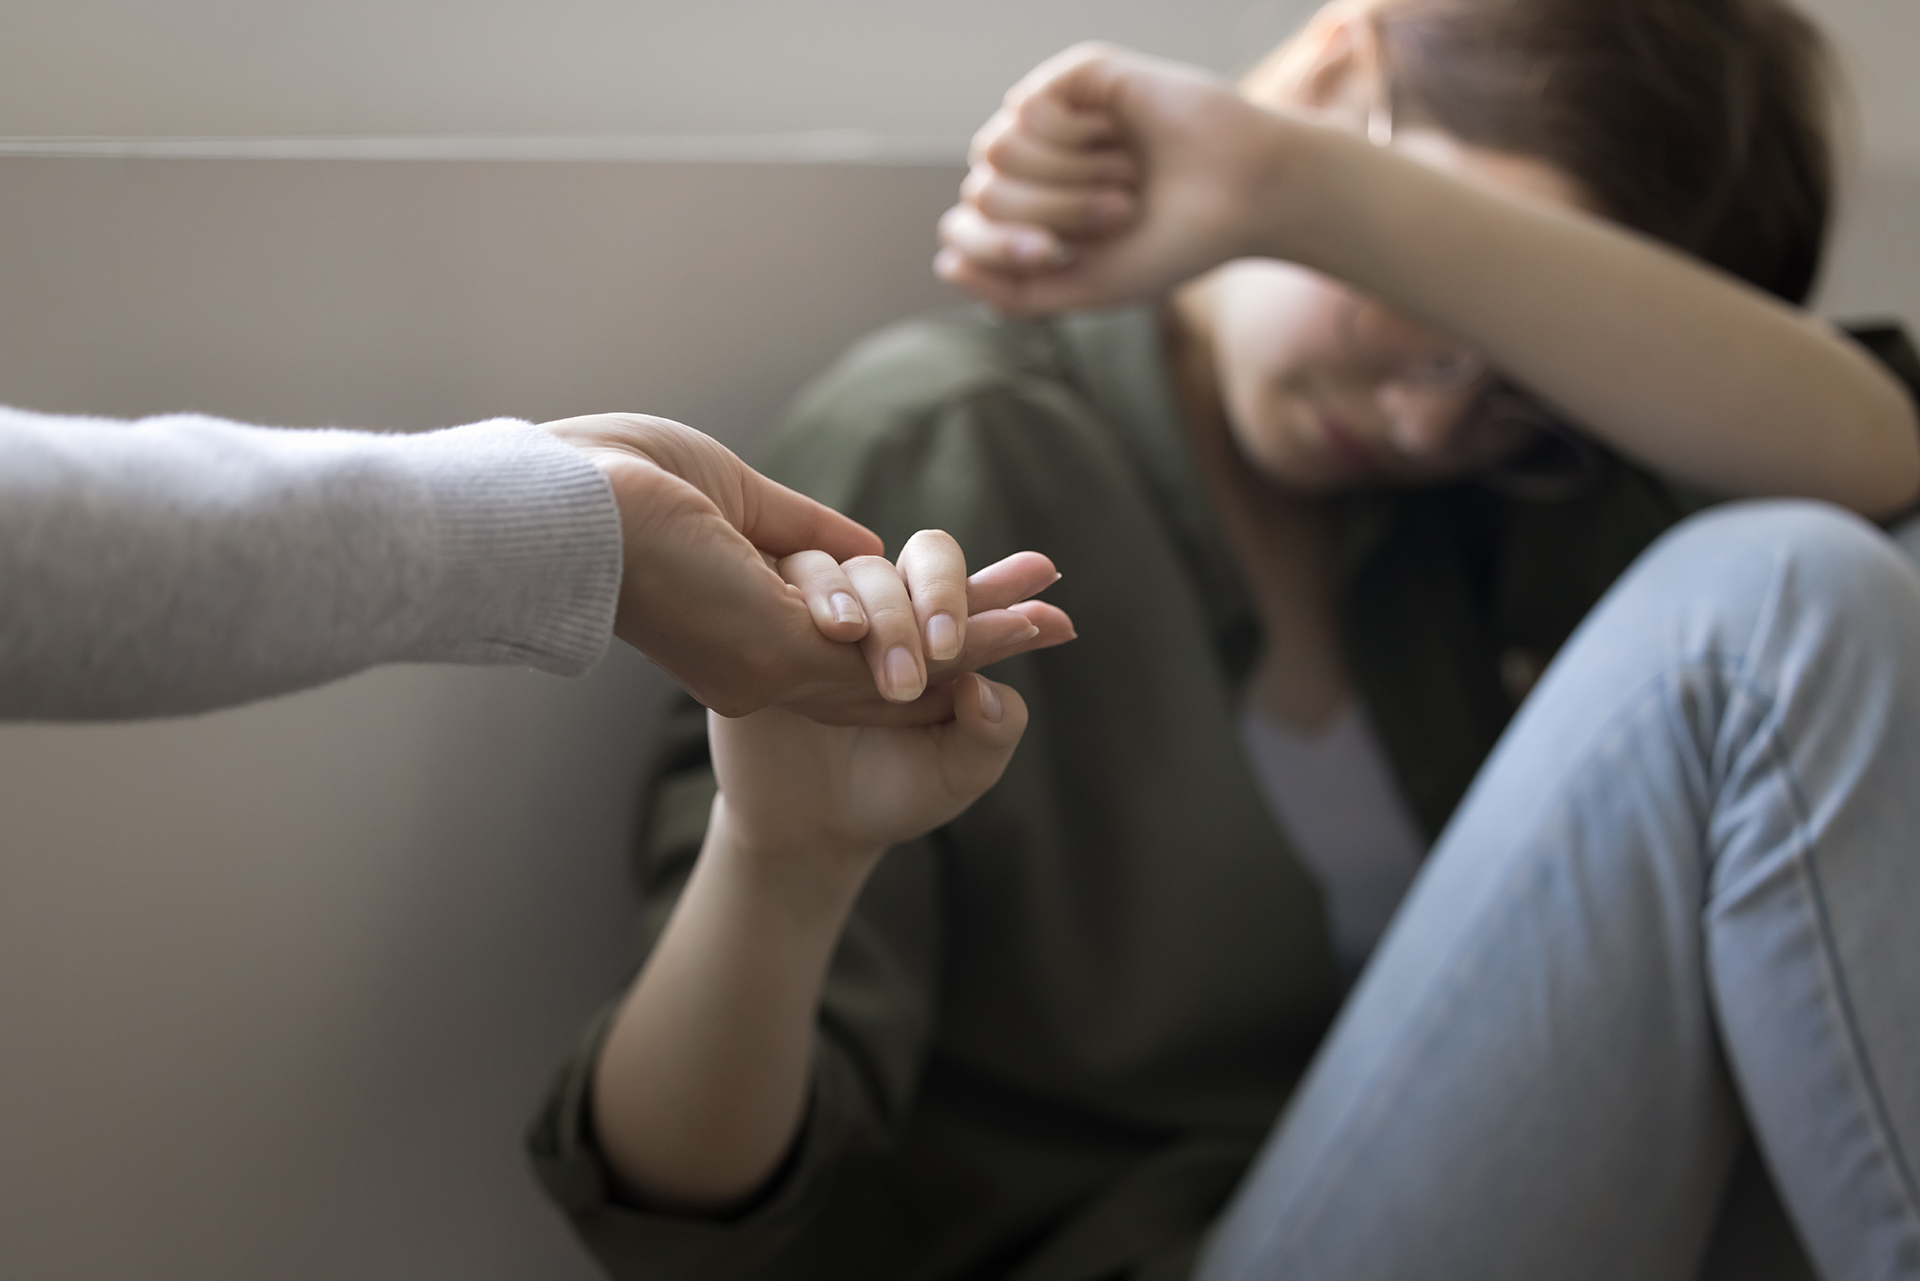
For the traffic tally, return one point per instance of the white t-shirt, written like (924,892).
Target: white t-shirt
(1335,795)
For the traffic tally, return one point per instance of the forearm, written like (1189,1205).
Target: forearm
(1673,363)
(702,1082)
(181,564)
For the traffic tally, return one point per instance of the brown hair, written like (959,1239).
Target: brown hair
(1704,123)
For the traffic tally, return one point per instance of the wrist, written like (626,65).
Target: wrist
(1286,168)
(1317,196)
(811,877)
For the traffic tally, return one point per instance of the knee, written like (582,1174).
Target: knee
(1771,574)
(1814,550)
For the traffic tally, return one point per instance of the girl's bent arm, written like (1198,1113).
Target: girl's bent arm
(1673,362)
(702,1081)
(1669,360)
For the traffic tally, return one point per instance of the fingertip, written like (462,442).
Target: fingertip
(1008,719)
(841,633)
(901,680)
(857,540)
(944,638)
(844,608)
(992,708)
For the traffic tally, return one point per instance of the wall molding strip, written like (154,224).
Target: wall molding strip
(827,146)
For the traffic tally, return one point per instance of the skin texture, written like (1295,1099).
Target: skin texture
(702,597)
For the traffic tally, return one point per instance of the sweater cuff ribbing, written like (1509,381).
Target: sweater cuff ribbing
(528,548)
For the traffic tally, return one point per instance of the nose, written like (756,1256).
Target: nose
(1424,422)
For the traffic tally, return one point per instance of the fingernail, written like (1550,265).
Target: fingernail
(943,637)
(903,678)
(846,609)
(990,701)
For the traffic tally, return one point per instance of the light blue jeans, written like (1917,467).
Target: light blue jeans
(1681,900)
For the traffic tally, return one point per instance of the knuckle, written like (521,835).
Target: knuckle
(993,202)
(997,125)
(889,624)
(998,150)
(1030,113)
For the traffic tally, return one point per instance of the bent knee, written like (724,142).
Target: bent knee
(1786,552)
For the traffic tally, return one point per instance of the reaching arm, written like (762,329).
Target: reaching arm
(1663,357)
(701,1083)
(182,564)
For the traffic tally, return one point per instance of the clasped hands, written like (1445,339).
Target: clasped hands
(754,596)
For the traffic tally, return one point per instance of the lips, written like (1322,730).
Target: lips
(1345,447)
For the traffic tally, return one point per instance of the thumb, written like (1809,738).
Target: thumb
(988,721)
(780,522)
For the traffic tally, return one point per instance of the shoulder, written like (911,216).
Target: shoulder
(928,361)
(953,381)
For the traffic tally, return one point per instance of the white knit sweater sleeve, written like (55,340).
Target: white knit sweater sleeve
(179,564)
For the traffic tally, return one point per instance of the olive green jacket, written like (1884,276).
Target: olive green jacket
(1057,1029)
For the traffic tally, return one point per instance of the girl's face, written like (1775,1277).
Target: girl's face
(1325,389)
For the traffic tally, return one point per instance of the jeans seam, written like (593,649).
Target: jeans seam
(1727,668)
(1833,975)
(1806,864)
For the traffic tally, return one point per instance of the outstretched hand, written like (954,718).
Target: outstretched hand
(700,594)
(1108,176)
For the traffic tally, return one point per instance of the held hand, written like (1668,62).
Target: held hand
(1108,176)
(835,798)
(929,624)
(702,1080)
(699,597)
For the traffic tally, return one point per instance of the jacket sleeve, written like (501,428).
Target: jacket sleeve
(180,564)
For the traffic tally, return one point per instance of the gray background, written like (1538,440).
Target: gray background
(280,985)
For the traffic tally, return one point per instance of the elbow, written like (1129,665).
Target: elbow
(1890,484)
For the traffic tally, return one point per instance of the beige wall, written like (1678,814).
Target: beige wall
(129,67)
(225,67)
